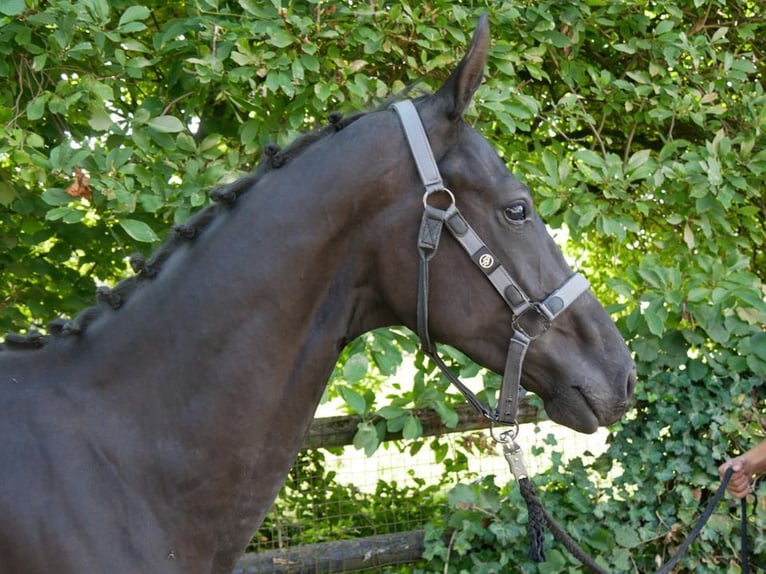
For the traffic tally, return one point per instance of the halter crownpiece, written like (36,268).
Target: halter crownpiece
(531,319)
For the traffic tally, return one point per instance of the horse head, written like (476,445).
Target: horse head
(574,359)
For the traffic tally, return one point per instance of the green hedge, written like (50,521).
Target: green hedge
(639,126)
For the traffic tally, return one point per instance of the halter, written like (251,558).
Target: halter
(531,319)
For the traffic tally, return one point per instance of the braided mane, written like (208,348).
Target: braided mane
(111,299)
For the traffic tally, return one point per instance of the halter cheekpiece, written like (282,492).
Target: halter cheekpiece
(531,319)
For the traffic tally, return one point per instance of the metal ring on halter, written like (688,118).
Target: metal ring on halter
(543,322)
(506,437)
(428,194)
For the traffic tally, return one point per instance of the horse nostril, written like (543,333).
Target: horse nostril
(632,378)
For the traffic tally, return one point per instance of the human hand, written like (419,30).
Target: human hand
(739,484)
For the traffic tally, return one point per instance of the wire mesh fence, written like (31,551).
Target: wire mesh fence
(340,494)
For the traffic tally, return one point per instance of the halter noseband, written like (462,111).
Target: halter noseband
(531,319)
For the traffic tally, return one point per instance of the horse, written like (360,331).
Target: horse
(152,432)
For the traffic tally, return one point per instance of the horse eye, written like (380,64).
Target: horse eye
(516,213)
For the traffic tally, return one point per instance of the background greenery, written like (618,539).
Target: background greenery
(639,125)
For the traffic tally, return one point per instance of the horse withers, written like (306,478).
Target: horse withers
(152,433)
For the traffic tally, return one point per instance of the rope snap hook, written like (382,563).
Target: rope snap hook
(515,458)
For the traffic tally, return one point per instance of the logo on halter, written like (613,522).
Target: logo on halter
(486,261)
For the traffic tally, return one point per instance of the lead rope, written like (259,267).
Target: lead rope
(744,549)
(539,517)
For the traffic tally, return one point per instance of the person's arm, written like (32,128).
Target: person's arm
(744,467)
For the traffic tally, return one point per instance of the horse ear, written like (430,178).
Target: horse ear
(459,88)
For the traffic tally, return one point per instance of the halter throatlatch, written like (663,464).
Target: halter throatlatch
(531,319)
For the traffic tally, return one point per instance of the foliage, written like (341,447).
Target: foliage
(487,530)
(638,125)
(314,507)
(362,378)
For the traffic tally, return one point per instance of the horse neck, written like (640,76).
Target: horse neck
(276,289)
(226,352)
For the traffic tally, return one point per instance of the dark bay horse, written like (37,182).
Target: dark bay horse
(152,433)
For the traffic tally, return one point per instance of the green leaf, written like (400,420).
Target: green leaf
(447,414)
(66,214)
(557,39)
(462,496)
(758,344)
(138,230)
(655,315)
(590,158)
(412,428)
(249,131)
(134,13)
(638,163)
(386,355)
(366,438)
(12,7)
(166,124)
(56,197)
(396,424)
(354,400)
(7,194)
(391,412)
(627,537)
(100,120)
(323,91)
(355,368)
(36,108)
(132,27)
(549,206)
(280,38)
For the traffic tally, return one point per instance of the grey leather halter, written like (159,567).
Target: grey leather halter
(531,319)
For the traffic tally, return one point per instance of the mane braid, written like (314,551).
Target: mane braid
(111,299)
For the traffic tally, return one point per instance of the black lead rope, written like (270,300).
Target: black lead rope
(743,536)
(670,564)
(539,518)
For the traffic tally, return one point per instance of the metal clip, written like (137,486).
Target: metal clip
(511,450)
(515,458)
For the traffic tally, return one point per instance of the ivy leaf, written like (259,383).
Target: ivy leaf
(758,345)
(462,496)
(627,537)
